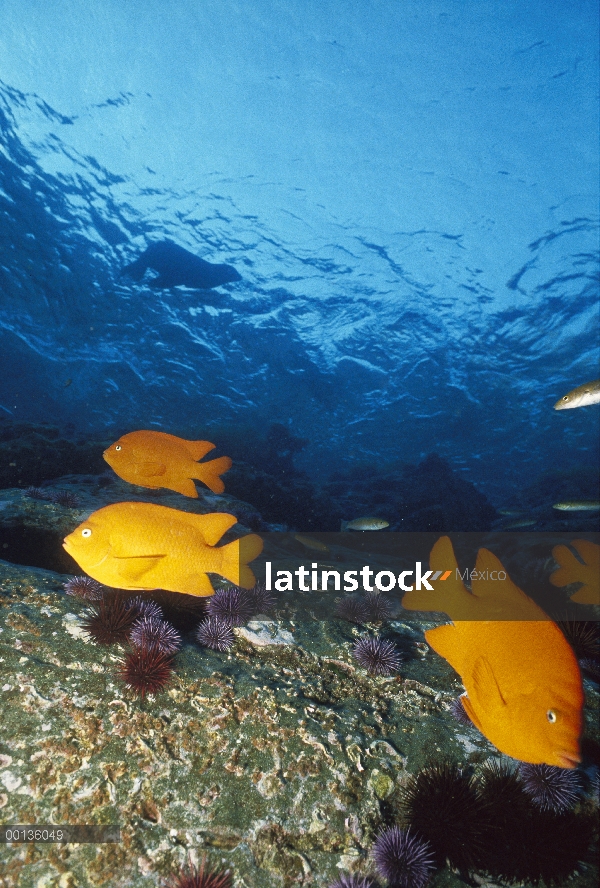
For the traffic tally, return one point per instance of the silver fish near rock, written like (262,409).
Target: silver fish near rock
(365,524)
(578,506)
(520,522)
(582,396)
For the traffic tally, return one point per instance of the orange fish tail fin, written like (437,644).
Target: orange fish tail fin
(209,473)
(449,595)
(235,557)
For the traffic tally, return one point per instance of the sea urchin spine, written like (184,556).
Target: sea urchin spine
(215,633)
(378,656)
(204,876)
(146,670)
(403,858)
(550,788)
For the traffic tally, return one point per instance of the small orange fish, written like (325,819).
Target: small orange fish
(522,681)
(573,571)
(156,459)
(145,546)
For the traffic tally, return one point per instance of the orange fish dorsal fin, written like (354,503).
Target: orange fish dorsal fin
(211,527)
(484,689)
(197,449)
(449,596)
(500,598)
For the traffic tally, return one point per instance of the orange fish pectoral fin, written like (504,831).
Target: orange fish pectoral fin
(468,707)
(134,567)
(485,690)
(209,473)
(197,449)
(150,469)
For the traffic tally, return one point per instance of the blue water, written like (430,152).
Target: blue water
(408,190)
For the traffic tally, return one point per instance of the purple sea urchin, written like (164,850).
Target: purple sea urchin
(231,605)
(204,876)
(443,805)
(150,631)
(460,713)
(378,656)
(351,880)
(85,588)
(146,670)
(215,633)
(64,498)
(37,493)
(351,608)
(583,636)
(261,601)
(378,608)
(550,788)
(403,858)
(145,607)
(109,621)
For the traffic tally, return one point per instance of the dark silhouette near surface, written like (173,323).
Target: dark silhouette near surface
(176,266)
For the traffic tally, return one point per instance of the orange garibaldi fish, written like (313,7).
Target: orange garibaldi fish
(522,680)
(144,546)
(156,459)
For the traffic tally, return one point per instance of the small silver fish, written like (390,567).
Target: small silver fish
(520,522)
(578,506)
(582,396)
(311,543)
(365,524)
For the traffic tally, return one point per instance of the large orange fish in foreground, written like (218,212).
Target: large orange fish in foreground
(156,459)
(144,546)
(522,681)
(573,571)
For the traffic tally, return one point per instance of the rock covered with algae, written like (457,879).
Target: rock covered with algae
(279,757)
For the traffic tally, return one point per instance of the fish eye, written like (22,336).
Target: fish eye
(551,716)
(86,532)
(566,398)
(118,447)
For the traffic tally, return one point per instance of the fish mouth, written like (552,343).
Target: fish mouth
(568,760)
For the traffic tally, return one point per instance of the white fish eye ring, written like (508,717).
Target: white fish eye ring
(551,716)
(118,447)
(86,532)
